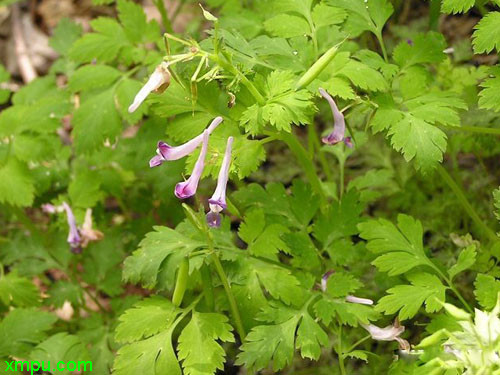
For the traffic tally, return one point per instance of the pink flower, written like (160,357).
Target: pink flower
(338,133)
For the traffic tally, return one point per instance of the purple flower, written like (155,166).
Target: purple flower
(74,238)
(160,79)
(338,133)
(324,279)
(361,301)
(166,152)
(188,188)
(217,202)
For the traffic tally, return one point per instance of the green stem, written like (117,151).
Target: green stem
(232,301)
(340,352)
(341,177)
(459,296)
(465,204)
(181,283)
(306,163)
(475,129)
(353,346)
(382,45)
(160,5)
(208,290)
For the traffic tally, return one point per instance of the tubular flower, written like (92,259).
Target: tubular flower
(158,81)
(74,238)
(188,188)
(389,333)
(166,152)
(338,133)
(217,202)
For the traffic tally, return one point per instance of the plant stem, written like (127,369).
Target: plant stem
(465,204)
(382,45)
(475,129)
(232,301)
(459,296)
(181,283)
(342,182)
(206,279)
(340,352)
(225,283)
(314,138)
(306,163)
(360,341)
(160,5)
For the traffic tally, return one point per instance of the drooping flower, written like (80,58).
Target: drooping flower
(188,188)
(88,234)
(338,133)
(389,333)
(217,202)
(158,81)
(166,152)
(74,238)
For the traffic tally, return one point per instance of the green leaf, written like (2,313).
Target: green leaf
(456,6)
(63,347)
(465,260)
(65,34)
(22,329)
(310,338)
(407,299)
(153,356)
(146,318)
(95,121)
(157,247)
(287,26)
(489,97)
(253,226)
(328,310)
(17,186)
(340,284)
(402,244)
(363,76)
(18,291)
(486,36)
(93,76)
(103,45)
(125,93)
(198,347)
(305,255)
(365,15)
(283,107)
(418,140)
(269,342)
(135,24)
(496,202)
(84,190)
(486,290)
(62,291)
(325,15)
(425,48)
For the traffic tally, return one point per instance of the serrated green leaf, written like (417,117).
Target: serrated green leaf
(340,284)
(425,48)
(365,15)
(125,93)
(456,6)
(102,45)
(22,329)
(303,251)
(95,121)
(146,262)
(84,190)
(135,24)
(407,299)
(269,342)
(489,97)
(466,260)
(363,76)
(153,356)
(310,338)
(17,185)
(198,349)
(63,347)
(328,310)
(18,291)
(65,34)
(253,226)
(62,291)
(146,318)
(325,15)
(93,76)
(287,26)
(486,290)
(486,36)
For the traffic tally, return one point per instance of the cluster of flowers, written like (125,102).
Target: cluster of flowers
(158,81)
(78,237)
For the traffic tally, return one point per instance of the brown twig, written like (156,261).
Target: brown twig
(28,73)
